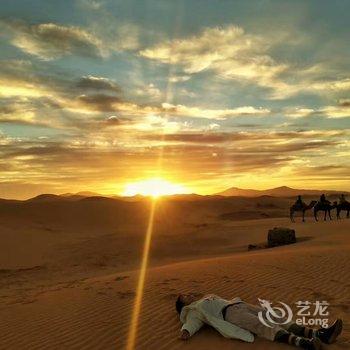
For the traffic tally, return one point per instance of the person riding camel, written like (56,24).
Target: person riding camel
(342,199)
(323,199)
(299,202)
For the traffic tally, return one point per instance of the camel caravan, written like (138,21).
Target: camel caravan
(322,205)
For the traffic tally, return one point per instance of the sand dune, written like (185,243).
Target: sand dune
(68,270)
(282,191)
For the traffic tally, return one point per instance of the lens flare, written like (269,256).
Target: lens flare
(135,317)
(141,281)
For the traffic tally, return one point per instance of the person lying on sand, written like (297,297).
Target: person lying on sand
(239,320)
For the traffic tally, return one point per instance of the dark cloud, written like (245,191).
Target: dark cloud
(44,92)
(50,155)
(97,83)
(344,103)
(100,102)
(57,95)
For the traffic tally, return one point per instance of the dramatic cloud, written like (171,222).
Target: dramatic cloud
(108,103)
(93,160)
(232,53)
(50,40)
(80,154)
(229,51)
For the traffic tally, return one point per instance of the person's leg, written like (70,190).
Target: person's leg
(242,315)
(326,335)
(301,330)
(254,309)
(246,316)
(286,337)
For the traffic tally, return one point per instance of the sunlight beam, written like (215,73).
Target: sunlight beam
(135,318)
(141,282)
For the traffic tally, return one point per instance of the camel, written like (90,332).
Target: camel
(295,208)
(343,206)
(326,207)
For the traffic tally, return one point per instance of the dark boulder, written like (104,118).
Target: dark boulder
(280,236)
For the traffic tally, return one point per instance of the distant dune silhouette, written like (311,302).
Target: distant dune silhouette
(282,191)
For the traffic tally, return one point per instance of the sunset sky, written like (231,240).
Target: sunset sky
(98,94)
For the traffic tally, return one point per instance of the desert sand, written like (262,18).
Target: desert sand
(69,268)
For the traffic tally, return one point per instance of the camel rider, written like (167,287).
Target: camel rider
(342,199)
(323,199)
(299,202)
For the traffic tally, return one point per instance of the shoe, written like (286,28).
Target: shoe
(310,344)
(329,335)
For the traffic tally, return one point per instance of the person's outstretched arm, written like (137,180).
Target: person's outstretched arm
(191,326)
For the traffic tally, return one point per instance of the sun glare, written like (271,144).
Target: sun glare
(154,187)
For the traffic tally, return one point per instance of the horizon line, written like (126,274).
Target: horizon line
(80,193)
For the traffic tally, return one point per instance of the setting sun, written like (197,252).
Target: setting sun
(154,187)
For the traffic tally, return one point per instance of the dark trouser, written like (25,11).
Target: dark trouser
(245,315)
